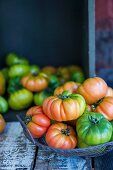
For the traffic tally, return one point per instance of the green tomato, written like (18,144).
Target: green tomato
(13,58)
(3,105)
(93,128)
(20,99)
(34,69)
(18,70)
(40,97)
(78,76)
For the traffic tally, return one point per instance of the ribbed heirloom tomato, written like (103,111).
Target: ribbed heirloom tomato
(60,135)
(37,122)
(64,107)
(70,85)
(105,107)
(93,89)
(93,129)
(35,82)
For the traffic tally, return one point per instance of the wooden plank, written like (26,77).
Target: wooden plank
(48,160)
(16,151)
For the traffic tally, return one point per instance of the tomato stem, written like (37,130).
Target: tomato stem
(27,119)
(66,131)
(34,74)
(93,120)
(96,104)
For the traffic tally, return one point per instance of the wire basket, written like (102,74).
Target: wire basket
(92,151)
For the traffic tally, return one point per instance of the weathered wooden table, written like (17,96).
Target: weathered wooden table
(18,153)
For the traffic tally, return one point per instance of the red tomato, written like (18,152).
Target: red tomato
(37,122)
(61,136)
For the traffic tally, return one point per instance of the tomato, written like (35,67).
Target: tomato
(40,97)
(105,107)
(62,136)
(2,124)
(19,98)
(34,69)
(13,58)
(93,129)
(18,70)
(64,107)
(37,122)
(73,68)
(3,105)
(77,76)
(70,85)
(49,70)
(2,83)
(63,74)
(35,82)
(93,89)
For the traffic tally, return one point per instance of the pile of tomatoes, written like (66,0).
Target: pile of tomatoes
(23,85)
(76,115)
(66,109)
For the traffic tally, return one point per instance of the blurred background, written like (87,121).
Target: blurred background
(104,40)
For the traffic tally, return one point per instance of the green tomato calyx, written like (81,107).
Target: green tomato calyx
(64,95)
(66,131)
(93,120)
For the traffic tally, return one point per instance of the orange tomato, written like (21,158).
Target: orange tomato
(93,89)
(61,136)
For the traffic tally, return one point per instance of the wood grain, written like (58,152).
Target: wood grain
(48,160)
(16,152)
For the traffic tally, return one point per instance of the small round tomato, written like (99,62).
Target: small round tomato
(37,122)
(2,124)
(61,136)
